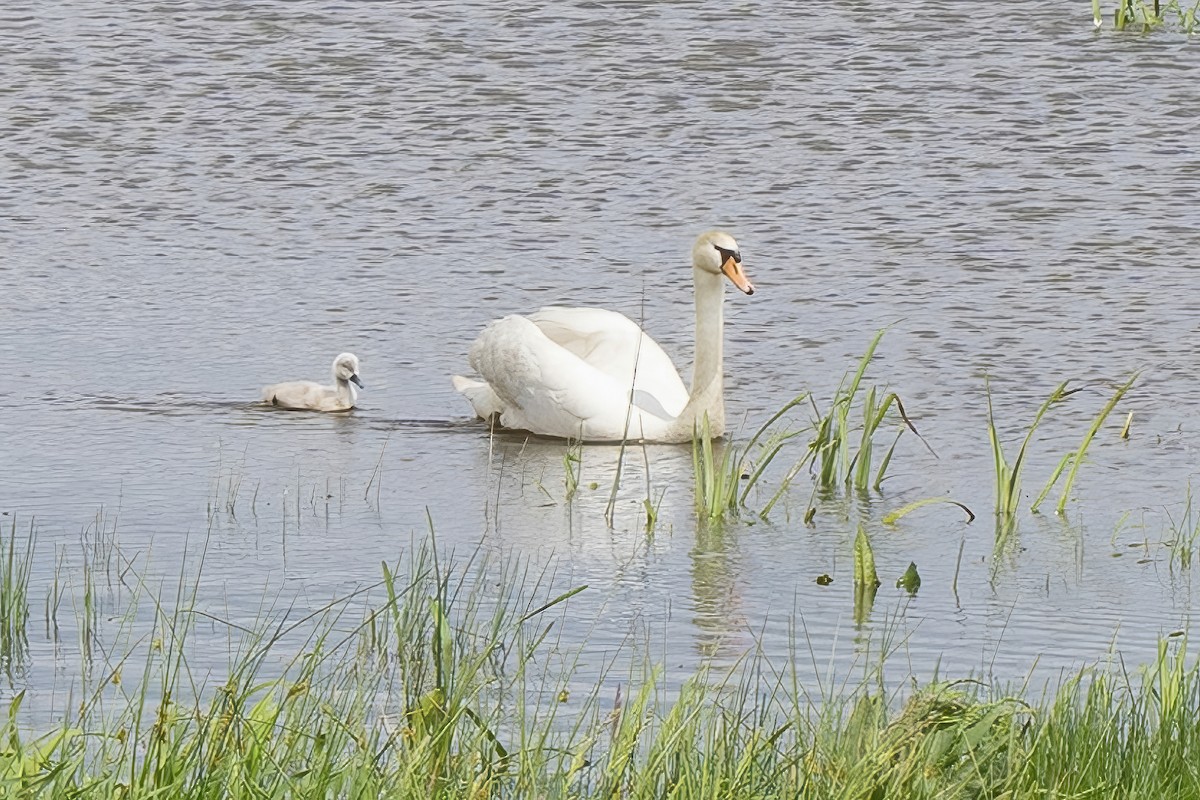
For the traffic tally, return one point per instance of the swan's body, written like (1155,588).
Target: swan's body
(312,396)
(591,374)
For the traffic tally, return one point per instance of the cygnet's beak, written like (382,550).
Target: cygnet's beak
(354,379)
(733,270)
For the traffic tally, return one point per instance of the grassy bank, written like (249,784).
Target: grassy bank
(452,683)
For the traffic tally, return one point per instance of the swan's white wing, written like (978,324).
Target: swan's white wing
(547,389)
(615,345)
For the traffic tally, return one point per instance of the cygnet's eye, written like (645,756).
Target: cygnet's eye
(727,254)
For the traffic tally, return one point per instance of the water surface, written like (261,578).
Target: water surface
(198,201)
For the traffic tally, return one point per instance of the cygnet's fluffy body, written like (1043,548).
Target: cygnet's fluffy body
(312,396)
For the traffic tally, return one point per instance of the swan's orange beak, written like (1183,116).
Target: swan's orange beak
(733,271)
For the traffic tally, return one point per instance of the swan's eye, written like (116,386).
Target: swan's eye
(727,254)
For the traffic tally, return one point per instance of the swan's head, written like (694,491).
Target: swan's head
(345,368)
(717,252)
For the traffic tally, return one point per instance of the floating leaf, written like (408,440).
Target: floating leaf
(893,516)
(824,580)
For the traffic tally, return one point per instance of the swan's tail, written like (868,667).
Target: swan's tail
(480,395)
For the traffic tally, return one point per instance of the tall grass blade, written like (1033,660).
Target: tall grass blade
(16,565)
(1081,451)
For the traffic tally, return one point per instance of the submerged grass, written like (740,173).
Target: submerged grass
(455,686)
(1008,475)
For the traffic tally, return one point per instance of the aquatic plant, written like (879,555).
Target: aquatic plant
(1185,533)
(866,579)
(1075,457)
(572,467)
(894,516)
(1008,475)
(841,452)
(1149,14)
(910,581)
(16,562)
(725,474)
(838,461)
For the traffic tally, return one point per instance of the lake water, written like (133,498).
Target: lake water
(199,199)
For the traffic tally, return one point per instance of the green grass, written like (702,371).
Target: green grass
(725,474)
(454,685)
(1146,15)
(16,563)
(1072,460)
(839,461)
(1185,533)
(405,702)
(841,454)
(1008,475)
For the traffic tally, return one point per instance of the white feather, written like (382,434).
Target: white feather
(312,396)
(592,374)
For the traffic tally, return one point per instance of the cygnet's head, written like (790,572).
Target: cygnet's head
(345,368)
(717,252)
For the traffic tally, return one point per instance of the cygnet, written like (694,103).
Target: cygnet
(312,396)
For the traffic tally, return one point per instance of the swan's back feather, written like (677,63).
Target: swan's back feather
(550,389)
(614,344)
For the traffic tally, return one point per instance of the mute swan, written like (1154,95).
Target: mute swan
(312,396)
(573,372)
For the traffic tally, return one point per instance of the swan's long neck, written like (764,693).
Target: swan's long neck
(345,392)
(708,380)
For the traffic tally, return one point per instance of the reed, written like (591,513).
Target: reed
(843,449)
(1185,533)
(16,564)
(726,474)
(1072,460)
(1008,475)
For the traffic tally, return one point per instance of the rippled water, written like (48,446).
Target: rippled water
(201,199)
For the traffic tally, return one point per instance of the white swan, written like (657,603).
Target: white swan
(312,396)
(590,374)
